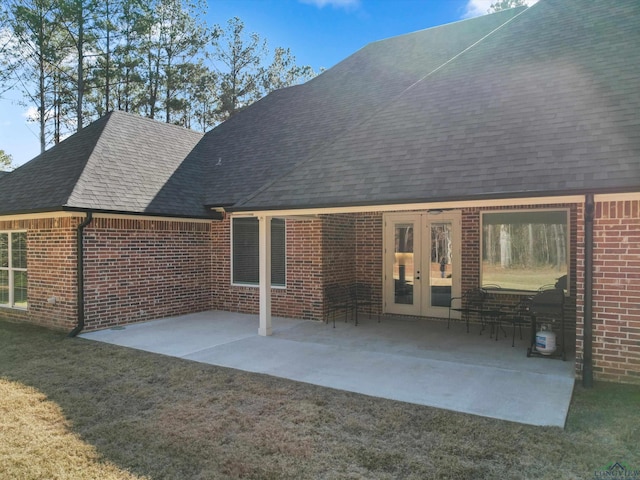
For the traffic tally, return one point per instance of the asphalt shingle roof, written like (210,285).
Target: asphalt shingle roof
(291,125)
(121,162)
(524,102)
(547,104)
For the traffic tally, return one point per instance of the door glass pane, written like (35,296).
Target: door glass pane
(403,264)
(441,266)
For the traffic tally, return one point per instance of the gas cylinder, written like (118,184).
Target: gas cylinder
(545,340)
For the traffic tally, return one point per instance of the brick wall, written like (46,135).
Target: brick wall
(137,269)
(369,254)
(302,296)
(616,291)
(51,272)
(339,249)
(142,269)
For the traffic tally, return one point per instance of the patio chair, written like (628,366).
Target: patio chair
(470,303)
(521,315)
(361,295)
(336,298)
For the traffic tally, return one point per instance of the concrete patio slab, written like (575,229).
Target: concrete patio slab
(410,360)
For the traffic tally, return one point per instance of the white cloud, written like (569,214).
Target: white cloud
(346,4)
(475,8)
(31,114)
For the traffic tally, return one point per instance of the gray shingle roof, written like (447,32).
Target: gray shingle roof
(291,125)
(121,162)
(524,102)
(548,104)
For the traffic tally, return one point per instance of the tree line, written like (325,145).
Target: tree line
(73,61)
(525,245)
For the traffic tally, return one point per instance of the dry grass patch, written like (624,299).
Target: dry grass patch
(166,418)
(36,442)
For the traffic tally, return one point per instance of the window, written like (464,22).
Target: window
(524,250)
(13,269)
(246,256)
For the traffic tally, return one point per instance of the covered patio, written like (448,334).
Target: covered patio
(408,359)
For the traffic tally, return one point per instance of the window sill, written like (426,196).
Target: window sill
(256,285)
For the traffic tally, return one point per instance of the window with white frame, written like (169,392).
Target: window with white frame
(245,254)
(525,250)
(13,269)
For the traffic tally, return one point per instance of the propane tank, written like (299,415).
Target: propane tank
(545,340)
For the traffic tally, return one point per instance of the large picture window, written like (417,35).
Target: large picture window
(245,245)
(13,269)
(524,250)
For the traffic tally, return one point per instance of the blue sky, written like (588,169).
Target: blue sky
(320,33)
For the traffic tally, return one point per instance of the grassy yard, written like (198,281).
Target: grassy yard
(75,409)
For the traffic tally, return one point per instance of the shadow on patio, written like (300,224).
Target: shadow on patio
(406,359)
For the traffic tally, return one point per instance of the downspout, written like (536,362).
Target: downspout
(587,357)
(80,273)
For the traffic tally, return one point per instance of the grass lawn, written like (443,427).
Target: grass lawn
(76,409)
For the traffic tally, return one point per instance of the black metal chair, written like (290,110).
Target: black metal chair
(471,303)
(521,315)
(361,295)
(336,298)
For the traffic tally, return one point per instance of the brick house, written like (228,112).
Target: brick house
(439,144)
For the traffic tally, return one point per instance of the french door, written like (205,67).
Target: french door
(421,262)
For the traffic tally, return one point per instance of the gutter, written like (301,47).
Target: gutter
(587,342)
(80,273)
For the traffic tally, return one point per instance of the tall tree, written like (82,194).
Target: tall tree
(103,72)
(175,36)
(79,59)
(283,71)
(506,4)
(7,46)
(127,55)
(6,162)
(35,25)
(201,99)
(77,19)
(239,58)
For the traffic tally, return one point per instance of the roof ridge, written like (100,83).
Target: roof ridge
(383,105)
(174,126)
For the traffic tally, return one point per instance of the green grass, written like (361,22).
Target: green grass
(525,279)
(74,409)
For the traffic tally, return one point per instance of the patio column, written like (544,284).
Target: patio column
(264,235)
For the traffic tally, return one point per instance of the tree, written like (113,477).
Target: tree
(7,45)
(506,4)
(35,26)
(283,71)
(5,162)
(127,59)
(200,99)
(240,74)
(77,17)
(76,60)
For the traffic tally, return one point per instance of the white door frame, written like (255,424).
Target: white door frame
(420,275)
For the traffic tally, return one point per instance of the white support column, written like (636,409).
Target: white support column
(265,275)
